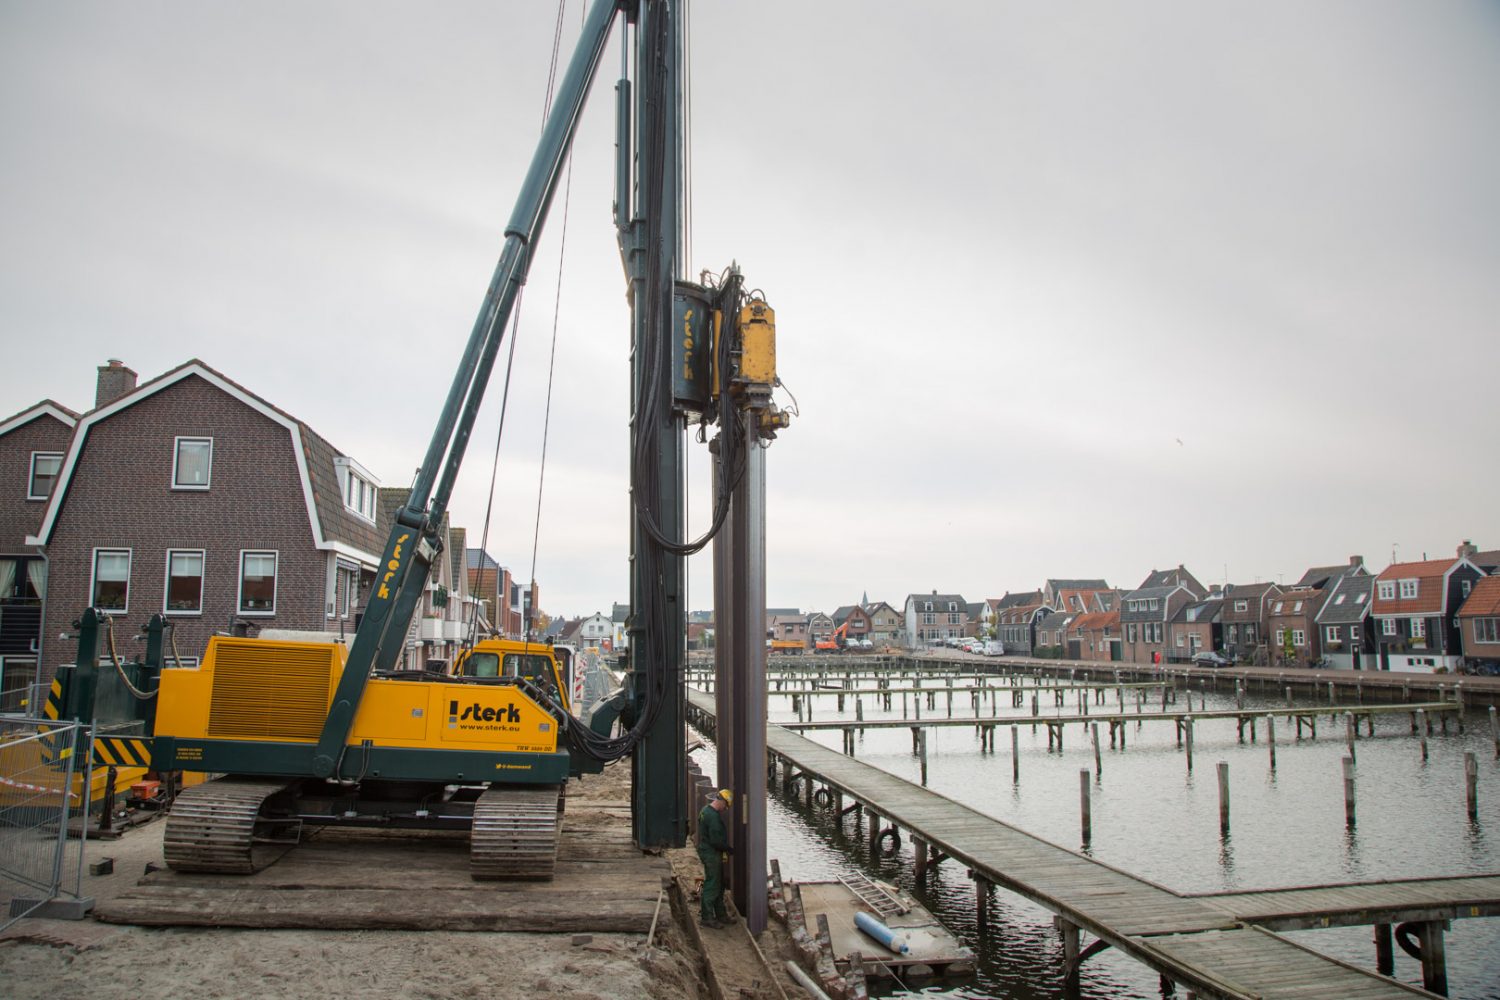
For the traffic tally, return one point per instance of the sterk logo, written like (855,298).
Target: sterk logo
(481,713)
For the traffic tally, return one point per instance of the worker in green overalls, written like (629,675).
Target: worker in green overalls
(713,851)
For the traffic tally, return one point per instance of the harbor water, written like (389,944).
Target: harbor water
(1155,818)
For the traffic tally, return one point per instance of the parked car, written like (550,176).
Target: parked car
(1209,658)
(992,647)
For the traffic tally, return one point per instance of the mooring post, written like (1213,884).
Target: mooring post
(1471,785)
(1348,791)
(1495,731)
(859,709)
(1434,961)
(1288,696)
(1083,804)
(924,758)
(1098,761)
(1385,958)
(1271,739)
(1035,706)
(1423,728)
(1069,933)
(1188,741)
(1015,755)
(981,901)
(1331,698)
(919,846)
(1239,695)
(1349,734)
(1223,768)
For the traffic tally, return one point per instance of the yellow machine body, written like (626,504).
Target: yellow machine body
(758,344)
(274,691)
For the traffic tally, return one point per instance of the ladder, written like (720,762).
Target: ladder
(874,895)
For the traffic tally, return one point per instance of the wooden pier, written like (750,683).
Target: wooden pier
(1201,942)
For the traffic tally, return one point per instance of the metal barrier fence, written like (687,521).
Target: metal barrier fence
(45,780)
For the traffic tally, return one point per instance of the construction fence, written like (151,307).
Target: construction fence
(45,778)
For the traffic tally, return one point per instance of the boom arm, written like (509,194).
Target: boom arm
(414,541)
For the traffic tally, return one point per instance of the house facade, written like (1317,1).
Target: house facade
(193,497)
(1291,623)
(1479,626)
(1345,627)
(1074,596)
(1196,627)
(1244,621)
(1144,614)
(1053,634)
(32,446)
(819,628)
(931,618)
(1416,613)
(886,624)
(856,618)
(1096,636)
(1017,627)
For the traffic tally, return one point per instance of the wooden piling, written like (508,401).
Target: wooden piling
(1348,791)
(1015,755)
(1098,761)
(1083,804)
(1349,733)
(1495,731)
(1271,739)
(1187,725)
(924,757)
(1423,728)
(1471,785)
(1331,698)
(1385,956)
(1288,696)
(1223,768)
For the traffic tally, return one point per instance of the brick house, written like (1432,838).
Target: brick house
(856,617)
(1017,627)
(787,628)
(32,445)
(192,496)
(1345,627)
(1292,627)
(1053,634)
(1144,613)
(1096,636)
(1479,625)
(1415,611)
(1244,620)
(885,624)
(819,628)
(1196,627)
(931,618)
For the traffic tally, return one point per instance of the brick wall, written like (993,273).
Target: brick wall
(20,517)
(121,496)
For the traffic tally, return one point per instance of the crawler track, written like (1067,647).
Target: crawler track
(213,827)
(515,833)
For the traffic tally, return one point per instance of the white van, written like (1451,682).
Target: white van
(993,647)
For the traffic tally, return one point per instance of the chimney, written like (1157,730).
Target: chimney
(1356,561)
(115,380)
(1467,549)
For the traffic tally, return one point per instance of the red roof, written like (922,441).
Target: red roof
(1484,599)
(1429,600)
(1097,619)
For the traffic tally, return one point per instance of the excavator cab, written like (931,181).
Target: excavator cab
(507,660)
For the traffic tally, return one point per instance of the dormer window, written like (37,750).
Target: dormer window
(952,606)
(1408,589)
(1297,608)
(1242,605)
(192,463)
(1278,607)
(45,466)
(927,606)
(359,488)
(1387,590)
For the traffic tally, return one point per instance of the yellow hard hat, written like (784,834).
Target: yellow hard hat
(726,795)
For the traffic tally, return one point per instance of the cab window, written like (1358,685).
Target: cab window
(482,665)
(537,669)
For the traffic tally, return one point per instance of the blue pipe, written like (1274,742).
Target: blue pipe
(881,933)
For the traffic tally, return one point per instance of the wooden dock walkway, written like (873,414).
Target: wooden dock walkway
(1200,942)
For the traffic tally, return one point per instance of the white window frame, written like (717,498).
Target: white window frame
(1331,633)
(1386,590)
(1465,586)
(1408,589)
(1387,626)
(1276,610)
(1353,633)
(239,600)
(1181,640)
(31,494)
(1419,628)
(94,577)
(177,443)
(1297,608)
(1490,630)
(1299,637)
(1242,605)
(166,589)
(350,472)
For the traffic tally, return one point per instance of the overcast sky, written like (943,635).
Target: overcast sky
(1063,289)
